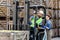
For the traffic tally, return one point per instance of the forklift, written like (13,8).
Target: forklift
(27,7)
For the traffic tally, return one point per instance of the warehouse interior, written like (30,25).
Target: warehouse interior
(12,11)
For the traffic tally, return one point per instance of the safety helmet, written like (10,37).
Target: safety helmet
(41,12)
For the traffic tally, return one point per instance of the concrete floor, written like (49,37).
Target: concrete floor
(56,39)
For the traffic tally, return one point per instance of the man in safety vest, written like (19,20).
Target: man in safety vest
(38,22)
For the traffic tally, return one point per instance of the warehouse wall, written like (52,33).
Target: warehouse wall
(52,3)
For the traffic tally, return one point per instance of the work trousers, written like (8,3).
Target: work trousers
(40,34)
(48,34)
(32,34)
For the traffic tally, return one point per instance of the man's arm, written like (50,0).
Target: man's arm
(48,26)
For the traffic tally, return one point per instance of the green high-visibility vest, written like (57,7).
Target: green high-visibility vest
(37,22)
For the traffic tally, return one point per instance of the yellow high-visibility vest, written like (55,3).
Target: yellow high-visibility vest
(37,22)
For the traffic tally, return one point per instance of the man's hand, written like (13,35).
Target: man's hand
(46,27)
(38,28)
